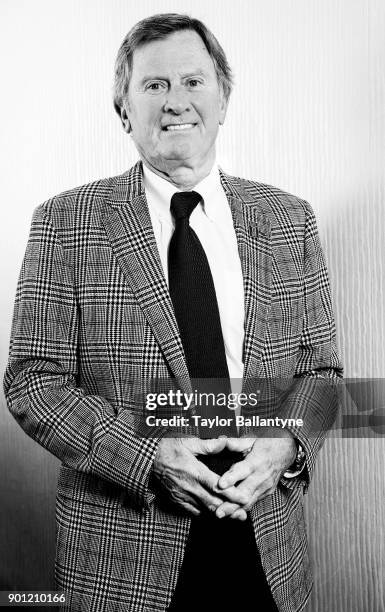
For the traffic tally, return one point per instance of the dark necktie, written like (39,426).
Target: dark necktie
(193,295)
(196,309)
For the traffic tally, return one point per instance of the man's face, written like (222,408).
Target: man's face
(174,104)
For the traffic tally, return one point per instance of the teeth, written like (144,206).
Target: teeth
(181,126)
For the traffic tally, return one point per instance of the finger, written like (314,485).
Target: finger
(209,481)
(238,471)
(190,509)
(226,509)
(196,446)
(211,446)
(240,445)
(184,499)
(245,492)
(203,486)
(205,498)
(252,489)
(239,515)
(232,494)
(242,495)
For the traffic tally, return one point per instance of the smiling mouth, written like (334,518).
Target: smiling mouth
(178,127)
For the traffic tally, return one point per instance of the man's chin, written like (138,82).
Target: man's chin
(177,154)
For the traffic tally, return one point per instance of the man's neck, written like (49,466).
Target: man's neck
(183,177)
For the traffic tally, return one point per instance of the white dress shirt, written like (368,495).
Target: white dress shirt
(212,221)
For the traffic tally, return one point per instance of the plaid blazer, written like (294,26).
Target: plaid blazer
(92,314)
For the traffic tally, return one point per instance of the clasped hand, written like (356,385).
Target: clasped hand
(193,486)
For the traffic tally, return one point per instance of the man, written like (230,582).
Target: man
(173,268)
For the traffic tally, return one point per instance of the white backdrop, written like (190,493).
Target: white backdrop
(307,114)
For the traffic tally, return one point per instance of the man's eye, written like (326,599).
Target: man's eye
(193,82)
(154,87)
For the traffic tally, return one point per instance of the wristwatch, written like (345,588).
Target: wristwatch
(299,463)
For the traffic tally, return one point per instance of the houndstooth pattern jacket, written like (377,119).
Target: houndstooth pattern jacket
(92,314)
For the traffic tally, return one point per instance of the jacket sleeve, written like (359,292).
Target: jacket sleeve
(84,431)
(314,396)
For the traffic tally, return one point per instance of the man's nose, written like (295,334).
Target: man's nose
(177,100)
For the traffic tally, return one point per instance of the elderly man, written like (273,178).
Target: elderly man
(173,269)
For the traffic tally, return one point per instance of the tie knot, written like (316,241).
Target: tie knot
(183,203)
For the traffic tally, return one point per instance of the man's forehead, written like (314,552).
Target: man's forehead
(184,47)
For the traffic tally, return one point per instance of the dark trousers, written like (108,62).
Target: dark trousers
(221,570)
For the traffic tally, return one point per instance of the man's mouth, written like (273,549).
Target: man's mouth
(178,127)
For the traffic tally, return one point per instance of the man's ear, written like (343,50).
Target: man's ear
(125,120)
(223,103)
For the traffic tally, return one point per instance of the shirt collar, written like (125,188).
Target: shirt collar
(160,192)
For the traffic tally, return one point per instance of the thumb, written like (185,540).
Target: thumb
(211,446)
(240,445)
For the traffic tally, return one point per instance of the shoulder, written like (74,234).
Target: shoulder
(76,202)
(277,205)
(88,203)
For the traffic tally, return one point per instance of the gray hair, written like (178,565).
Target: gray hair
(158,27)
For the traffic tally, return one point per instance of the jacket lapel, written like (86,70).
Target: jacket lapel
(129,229)
(253,231)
